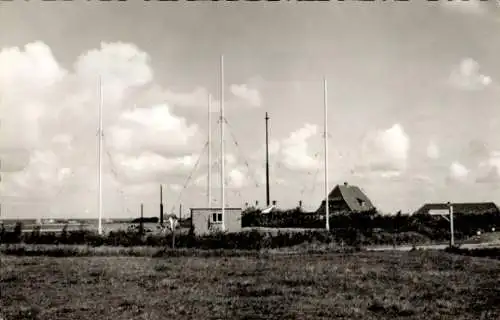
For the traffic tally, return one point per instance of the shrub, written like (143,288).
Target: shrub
(482,252)
(358,230)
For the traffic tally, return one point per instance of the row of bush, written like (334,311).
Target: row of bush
(248,240)
(433,227)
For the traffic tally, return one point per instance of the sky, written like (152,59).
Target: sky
(412,103)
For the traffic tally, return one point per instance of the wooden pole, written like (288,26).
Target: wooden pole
(161,205)
(141,223)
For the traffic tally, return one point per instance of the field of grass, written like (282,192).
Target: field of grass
(388,285)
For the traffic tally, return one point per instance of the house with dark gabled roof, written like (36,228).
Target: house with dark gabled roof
(478,208)
(347,198)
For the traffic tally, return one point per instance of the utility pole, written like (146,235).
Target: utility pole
(161,205)
(452,231)
(327,201)
(180,211)
(99,155)
(222,157)
(141,224)
(267,161)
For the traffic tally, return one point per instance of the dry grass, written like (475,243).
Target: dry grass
(415,285)
(69,250)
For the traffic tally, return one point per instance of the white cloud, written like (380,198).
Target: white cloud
(33,68)
(236,174)
(27,77)
(230,159)
(237,178)
(43,169)
(49,123)
(489,170)
(249,95)
(294,151)
(152,167)
(155,129)
(458,172)
(196,98)
(293,154)
(385,152)
(433,150)
(122,67)
(467,76)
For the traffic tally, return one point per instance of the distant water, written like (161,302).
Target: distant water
(29,224)
(64,221)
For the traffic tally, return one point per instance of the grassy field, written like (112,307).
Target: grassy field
(388,285)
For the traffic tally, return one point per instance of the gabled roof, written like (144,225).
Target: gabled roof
(355,199)
(464,208)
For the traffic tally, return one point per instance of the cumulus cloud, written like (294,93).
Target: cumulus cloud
(384,152)
(43,169)
(32,68)
(489,170)
(432,150)
(458,172)
(49,120)
(27,76)
(236,176)
(293,152)
(248,95)
(196,98)
(152,167)
(122,67)
(468,76)
(155,129)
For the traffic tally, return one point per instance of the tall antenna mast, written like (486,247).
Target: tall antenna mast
(100,135)
(222,160)
(267,161)
(327,202)
(209,180)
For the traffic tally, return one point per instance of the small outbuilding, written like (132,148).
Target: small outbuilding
(209,220)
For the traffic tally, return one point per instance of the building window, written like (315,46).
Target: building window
(216,217)
(361,202)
